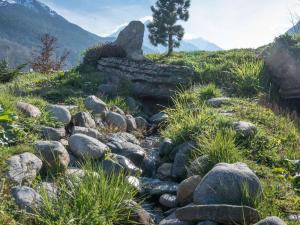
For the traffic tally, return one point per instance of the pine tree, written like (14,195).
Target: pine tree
(164,30)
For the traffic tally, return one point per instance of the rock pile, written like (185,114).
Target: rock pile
(158,169)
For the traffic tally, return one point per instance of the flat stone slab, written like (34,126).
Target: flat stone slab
(225,214)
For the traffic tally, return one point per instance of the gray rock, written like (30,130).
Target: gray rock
(108,89)
(121,137)
(28,109)
(166,147)
(218,102)
(141,123)
(172,220)
(273,220)
(185,147)
(87,131)
(83,119)
(159,118)
(117,110)
(150,163)
(164,171)
(294,217)
(53,154)
(53,134)
(200,165)
(225,214)
(23,168)
(131,124)
(85,147)
(111,167)
(117,121)
(186,190)
(75,173)
(245,129)
(225,184)
(131,40)
(179,169)
(134,182)
(49,188)
(60,113)
(140,215)
(126,163)
(133,152)
(147,79)
(95,104)
(169,201)
(133,104)
(27,198)
(155,187)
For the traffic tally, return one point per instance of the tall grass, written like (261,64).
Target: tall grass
(92,199)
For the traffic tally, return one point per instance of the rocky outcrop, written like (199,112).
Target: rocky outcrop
(131,40)
(282,60)
(145,78)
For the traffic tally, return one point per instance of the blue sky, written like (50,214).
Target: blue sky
(228,23)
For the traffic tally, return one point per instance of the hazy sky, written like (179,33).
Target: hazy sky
(228,23)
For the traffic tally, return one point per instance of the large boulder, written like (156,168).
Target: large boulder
(272,220)
(85,147)
(60,113)
(83,119)
(53,154)
(226,184)
(27,198)
(95,104)
(23,168)
(28,109)
(224,214)
(131,40)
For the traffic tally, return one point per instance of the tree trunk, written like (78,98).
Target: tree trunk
(170,46)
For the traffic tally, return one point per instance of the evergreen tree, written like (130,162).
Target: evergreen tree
(163,30)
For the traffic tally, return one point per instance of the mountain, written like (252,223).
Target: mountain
(24,21)
(295,29)
(198,44)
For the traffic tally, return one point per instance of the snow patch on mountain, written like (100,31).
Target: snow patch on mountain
(30,4)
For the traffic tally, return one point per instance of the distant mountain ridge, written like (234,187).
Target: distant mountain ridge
(197,44)
(24,21)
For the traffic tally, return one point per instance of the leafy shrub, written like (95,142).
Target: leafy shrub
(92,199)
(94,54)
(9,134)
(6,73)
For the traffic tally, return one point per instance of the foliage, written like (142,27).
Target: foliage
(92,199)
(9,133)
(163,30)
(92,55)
(7,74)
(237,72)
(45,61)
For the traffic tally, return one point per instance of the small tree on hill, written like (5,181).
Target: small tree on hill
(45,61)
(163,30)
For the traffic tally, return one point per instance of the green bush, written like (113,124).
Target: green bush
(9,133)
(92,55)
(209,91)
(6,73)
(92,199)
